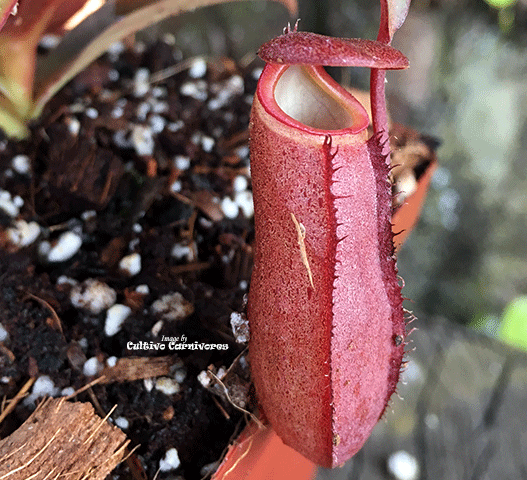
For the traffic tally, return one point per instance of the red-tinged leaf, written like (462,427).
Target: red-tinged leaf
(393,14)
(7,8)
(32,14)
(306,48)
(91,38)
(325,309)
(397,11)
(18,47)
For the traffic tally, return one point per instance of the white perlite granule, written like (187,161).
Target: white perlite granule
(170,461)
(66,246)
(167,385)
(23,233)
(173,306)
(131,264)
(21,164)
(92,367)
(240,327)
(92,295)
(115,318)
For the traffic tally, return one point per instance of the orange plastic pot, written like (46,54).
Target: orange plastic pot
(406,216)
(259,454)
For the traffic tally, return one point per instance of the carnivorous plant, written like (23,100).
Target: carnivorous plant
(325,307)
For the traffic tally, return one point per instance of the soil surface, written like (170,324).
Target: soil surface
(125,225)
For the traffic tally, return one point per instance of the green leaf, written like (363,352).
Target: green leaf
(513,328)
(10,121)
(501,3)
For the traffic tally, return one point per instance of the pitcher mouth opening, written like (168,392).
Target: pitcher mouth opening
(306,97)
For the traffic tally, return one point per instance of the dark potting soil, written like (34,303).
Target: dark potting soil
(125,227)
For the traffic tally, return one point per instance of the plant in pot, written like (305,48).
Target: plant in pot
(325,310)
(24,97)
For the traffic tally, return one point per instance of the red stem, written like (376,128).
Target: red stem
(377,88)
(378,105)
